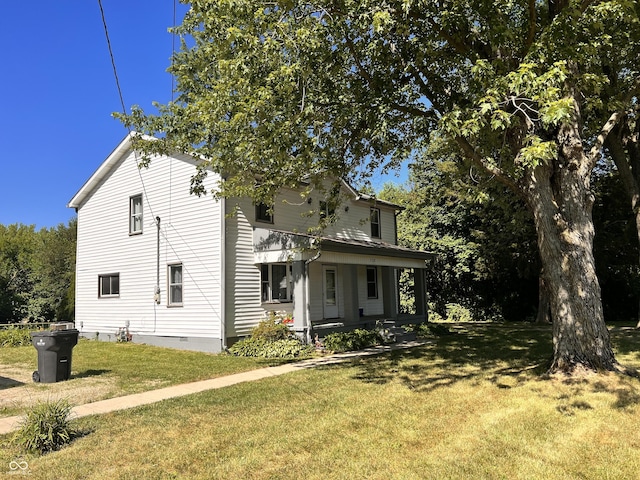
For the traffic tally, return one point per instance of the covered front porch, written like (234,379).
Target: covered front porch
(338,284)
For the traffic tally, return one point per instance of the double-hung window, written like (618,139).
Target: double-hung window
(109,285)
(326,209)
(275,280)
(135,214)
(372,282)
(375,222)
(175,285)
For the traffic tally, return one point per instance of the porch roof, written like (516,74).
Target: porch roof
(271,246)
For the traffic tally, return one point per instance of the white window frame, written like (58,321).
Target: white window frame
(134,216)
(110,294)
(375,224)
(373,282)
(267,283)
(171,285)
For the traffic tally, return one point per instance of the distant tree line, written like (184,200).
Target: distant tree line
(37,273)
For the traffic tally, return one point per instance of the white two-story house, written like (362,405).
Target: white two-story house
(198,273)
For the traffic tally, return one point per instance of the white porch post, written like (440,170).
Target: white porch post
(299,280)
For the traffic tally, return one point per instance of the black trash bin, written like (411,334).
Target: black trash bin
(54,354)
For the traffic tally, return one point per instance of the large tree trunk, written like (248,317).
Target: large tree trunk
(560,198)
(544,302)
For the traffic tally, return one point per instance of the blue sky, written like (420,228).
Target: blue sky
(59,93)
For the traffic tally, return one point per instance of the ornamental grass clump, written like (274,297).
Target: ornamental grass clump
(46,427)
(15,337)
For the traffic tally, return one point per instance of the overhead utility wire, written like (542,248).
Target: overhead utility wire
(124,109)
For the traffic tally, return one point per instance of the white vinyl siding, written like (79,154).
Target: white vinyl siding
(190,234)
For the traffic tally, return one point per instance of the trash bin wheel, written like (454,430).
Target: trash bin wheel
(36,376)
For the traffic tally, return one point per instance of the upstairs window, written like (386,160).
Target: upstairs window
(374,217)
(109,285)
(175,285)
(372,282)
(275,280)
(135,214)
(263,213)
(326,209)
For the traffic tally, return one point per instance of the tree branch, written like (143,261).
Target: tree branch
(472,155)
(594,153)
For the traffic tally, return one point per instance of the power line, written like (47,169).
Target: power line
(124,109)
(113,62)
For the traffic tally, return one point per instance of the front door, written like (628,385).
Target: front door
(330,293)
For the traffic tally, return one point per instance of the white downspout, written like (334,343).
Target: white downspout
(223,275)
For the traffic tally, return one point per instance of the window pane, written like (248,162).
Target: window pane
(105,286)
(262,213)
(176,274)
(279,282)
(115,285)
(375,223)
(330,287)
(176,294)
(372,282)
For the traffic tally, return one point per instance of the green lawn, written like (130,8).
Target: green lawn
(472,404)
(108,369)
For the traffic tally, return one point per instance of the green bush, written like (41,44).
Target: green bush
(272,330)
(354,340)
(458,313)
(15,337)
(271,339)
(46,427)
(259,347)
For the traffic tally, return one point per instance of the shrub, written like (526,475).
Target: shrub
(271,339)
(46,427)
(271,330)
(15,337)
(259,347)
(458,313)
(354,340)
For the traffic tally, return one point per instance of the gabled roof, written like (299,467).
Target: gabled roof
(115,157)
(104,170)
(370,198)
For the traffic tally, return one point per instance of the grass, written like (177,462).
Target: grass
(116,369)
(472,404)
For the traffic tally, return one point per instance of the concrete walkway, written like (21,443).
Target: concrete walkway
(9,424)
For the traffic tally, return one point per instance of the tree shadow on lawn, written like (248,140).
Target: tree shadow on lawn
(90,373)
(497,352)
(506,355)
